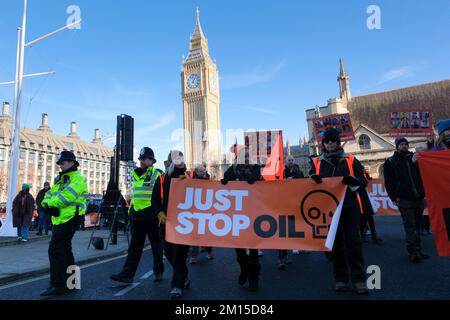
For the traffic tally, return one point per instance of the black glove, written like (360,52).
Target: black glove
(350,181)
(317,179)
(54,212)
(251,181)
(223,181)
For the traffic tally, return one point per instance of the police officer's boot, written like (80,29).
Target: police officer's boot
(244,272)
(253,276)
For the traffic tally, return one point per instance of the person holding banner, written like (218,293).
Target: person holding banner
(175,253)
(249,263)
(347,249)
(404,187)
(201,173)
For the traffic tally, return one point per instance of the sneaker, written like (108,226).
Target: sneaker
(193,260)
(121,278)
(295,251)
(24,240)
(260,253)
(341,286)
(361,288)
(19,239)
(175,293)
(210,256)
(281,265)
(158,277)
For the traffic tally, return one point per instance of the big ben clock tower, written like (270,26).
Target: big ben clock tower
(201,103)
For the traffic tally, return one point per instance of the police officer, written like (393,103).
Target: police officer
(65,202)
(347,251)
(241,170)
(143,212)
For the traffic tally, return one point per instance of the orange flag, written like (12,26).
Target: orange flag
(435,172)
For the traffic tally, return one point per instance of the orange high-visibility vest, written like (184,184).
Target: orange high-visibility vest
(349,160)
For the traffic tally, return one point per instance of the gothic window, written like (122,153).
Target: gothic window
(364,142)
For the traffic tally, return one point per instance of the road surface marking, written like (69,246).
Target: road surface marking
(127,289)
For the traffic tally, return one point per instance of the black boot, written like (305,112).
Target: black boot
(253,276)
(376,239)
(244,272)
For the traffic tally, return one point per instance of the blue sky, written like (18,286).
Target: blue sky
(275,59)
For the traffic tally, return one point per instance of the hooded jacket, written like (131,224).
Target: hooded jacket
(402,177)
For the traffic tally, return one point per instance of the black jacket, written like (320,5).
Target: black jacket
(40,196)
(152,211)
(328,169)
(243,172)
(294,173)
(402,177)
(166,187)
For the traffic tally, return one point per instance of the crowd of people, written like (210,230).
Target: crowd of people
(65,202)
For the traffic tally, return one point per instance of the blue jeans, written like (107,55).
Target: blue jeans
(22,232)
(44,221)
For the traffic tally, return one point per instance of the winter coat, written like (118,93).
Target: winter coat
(40,196)
(23,213)
(402,177)
(294,173)
(243,172)
(328,169)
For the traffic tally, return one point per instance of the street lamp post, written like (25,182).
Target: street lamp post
(7,229)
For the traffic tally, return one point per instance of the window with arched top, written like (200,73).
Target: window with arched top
(364,142)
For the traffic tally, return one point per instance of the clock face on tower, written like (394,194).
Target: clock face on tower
(193,81)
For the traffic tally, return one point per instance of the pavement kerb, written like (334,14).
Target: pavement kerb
(39,272)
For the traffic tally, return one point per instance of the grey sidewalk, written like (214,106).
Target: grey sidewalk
(25,260)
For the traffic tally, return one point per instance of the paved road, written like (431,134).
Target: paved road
(309,277)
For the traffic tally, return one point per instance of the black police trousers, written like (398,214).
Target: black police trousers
(60,253)
(139,230)
(347,249)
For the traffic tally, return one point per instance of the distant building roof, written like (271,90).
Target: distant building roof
(372,109)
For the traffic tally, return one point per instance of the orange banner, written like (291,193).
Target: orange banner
(435,173)
(283,214)
(379,199)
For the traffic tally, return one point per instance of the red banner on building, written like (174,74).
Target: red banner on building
(340,122)
(266,148)
(435,173)
(410,123)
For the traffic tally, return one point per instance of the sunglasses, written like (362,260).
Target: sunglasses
(328,140)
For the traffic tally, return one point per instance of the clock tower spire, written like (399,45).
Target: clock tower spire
(201,103)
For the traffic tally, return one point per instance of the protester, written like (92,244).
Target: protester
(44,217)
(22,209)
(248,262)
(367,216)
(292,170)
(443,141)
(404,187)
(143,213)
(175,253)
(347,249)
(200,172)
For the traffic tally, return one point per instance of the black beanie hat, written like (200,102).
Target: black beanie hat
(398,141)
(331,134)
